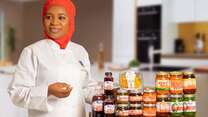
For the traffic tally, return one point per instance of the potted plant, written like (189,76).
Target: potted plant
(134,64)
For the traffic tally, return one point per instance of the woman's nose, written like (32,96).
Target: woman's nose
(54,21)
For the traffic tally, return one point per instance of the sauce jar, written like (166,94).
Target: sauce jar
(108,83)
(97,103)
(189,105)
(122,96)
(176,104)
(189,83)
(163,106)
(109,106)
(149,96)
(176,83)
(162,83)
(135,110)
(122,110)
(135,96)
(149,110)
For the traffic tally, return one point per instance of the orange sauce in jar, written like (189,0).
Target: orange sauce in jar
(189,83)
(176,83)
(162,83)
(149,96)
(149,110)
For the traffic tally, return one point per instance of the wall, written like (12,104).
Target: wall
(148,2)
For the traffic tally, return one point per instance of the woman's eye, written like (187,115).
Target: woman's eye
(48,17)
(62,17)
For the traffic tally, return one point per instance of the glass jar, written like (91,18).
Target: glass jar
(149,110)
(135,96)
(176,83)
(162,83)
(149,96)
(176,104)
(189,83)
(108,83)
(163,106)
(189,105)
(122,96)
(135,110)
(122,110)
(97,103)
(109,106)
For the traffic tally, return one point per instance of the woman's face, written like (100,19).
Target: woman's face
(56,22)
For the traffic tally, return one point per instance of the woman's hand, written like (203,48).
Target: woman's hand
(60,90)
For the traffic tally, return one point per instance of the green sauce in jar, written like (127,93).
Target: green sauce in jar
(176,104)
(189,105)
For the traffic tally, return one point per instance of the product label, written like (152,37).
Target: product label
(122,112)
(149,112)
(176,85)
(124,98)
(163,107)
(135,112)
(109,109)
(189,106)
(130,76)
(108,85)
(97,105)
(176,107)
(162,85)
(135,98)
(189,83)
(149,98)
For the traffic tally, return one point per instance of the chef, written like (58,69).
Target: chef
(52,77)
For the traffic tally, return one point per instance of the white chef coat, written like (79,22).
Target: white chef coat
(44,63)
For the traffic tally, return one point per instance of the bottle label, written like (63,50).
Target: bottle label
(162,84)
(108,85)
(176,85)
(189,106)
(189,83)
(97,105)
(130,76)
(135,112)
(109,109)
(122,98)
(135,98)
(163,107)
(176,107)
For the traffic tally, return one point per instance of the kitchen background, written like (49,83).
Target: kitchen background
(172,34)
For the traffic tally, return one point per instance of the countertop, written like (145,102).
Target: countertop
(185,56)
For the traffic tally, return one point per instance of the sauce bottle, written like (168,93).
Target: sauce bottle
(109,106)
(108,83)
(97,103)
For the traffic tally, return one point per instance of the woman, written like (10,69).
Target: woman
(52,78)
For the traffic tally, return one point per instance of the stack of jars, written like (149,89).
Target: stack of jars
(176,94)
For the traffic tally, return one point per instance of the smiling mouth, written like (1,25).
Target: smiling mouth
(55,30)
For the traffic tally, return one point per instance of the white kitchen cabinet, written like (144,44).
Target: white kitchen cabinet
(182,10)
(201,10)
(148,2)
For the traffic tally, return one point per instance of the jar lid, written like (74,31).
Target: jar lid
(189,75)
(176,73)
(135,91)
(162,96)
(122,105)
(108,73)
(176,96)
(149,90)
(189,95)
(149,105)
(121,90)
(135,105)
(161,73)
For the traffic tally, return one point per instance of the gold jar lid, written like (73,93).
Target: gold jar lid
(188,73)
(162,73)
(176,73)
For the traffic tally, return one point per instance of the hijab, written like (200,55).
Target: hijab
(71,11)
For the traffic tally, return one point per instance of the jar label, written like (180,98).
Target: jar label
(97,105)
(176,107)
(189,83)
(163,107)
(108,85)
(135,112)
(109,109)
(149,98)
(122,98)
(162,84)
(135,98)
(130,76)
(122,112)
(176,85)
(149,112)
(189,106)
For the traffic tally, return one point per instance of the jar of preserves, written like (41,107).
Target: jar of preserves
(149,110)
(189,105)
(149,96)
(176,104)
(97,103)
(162,83)
(122,110)
(109,106)
(135,96)
(122,96)
(176,83)
(163,106)
(108,83)
(189,83)
(135,110)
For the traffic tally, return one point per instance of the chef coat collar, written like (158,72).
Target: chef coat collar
(56,46)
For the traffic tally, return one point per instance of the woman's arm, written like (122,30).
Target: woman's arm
(23,89)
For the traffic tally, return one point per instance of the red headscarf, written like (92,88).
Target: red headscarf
(63,41)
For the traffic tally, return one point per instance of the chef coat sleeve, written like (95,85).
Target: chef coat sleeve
(90,84)
(23,89)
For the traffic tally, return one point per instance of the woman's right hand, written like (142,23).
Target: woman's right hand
(59,89)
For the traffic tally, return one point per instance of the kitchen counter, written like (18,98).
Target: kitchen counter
(185,56)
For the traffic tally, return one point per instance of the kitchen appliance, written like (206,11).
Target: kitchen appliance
(149,33)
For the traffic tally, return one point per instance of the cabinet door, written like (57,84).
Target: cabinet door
(183,10)
(201,10)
